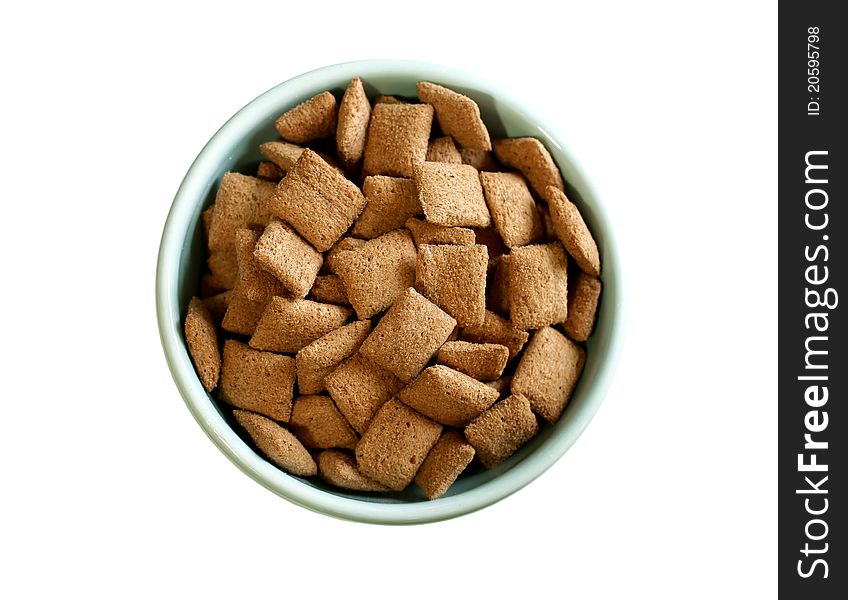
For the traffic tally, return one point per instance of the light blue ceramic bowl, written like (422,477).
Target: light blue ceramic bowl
(235,147)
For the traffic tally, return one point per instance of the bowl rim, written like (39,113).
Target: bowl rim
(196,182)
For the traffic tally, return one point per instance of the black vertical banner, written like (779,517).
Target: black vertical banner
(813,363)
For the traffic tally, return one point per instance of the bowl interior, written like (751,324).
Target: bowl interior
(235,148)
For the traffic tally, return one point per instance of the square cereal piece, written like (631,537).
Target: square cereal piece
(287,325)
(538,294)
(583,294)
(254,282)
(354,115)
(223,265)
(339,469)
(408,335)
(317,200)
(311,120)
(359,387)
(513,209)
(530,156)
(501,430)
(444,464)
(269,171)
(321,357)
(547,222)
(496,330)
(317,423)
(454,279)
(329,289)
(262,382)
(396,443)
(458,115)
(572,231)
(397,138)
(285,255)
(277,443)
(391,201)
(241,202)
(209,286)
(548,372)
(346,243)
(498,297)
(483,362)
(243,314)
(202,341)
(443,150)
(451,195)
(448,396)
(501,384)
(479,159)
(430,233)
(377,272)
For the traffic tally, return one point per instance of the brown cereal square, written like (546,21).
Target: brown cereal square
(329,289)
(496,330)
(320,358)
(451,195)
(430,233)
(377,272)
(262,382)
(444,464)
(241,202)
(458,115)
(317,423)
(317,200)
(538,294)
(443,150)
(530,156)
(283,253)
(287,325)
(396,443)
(573,232)
(408,335)
(548,372)
(454,279)
(277,443)
(339,468)
(512,208)
(448,396)
(354,115)
(397,138)
(310,120)
(483,362)
(500,431)
(202,341)
(359,387)
(223,266)
(583,294)
(391,201)
(254,282)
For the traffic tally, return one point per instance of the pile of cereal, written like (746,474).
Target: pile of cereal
(393,293)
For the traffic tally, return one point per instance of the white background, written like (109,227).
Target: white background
(111,489)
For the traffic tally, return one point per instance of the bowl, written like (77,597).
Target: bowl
(181,257)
